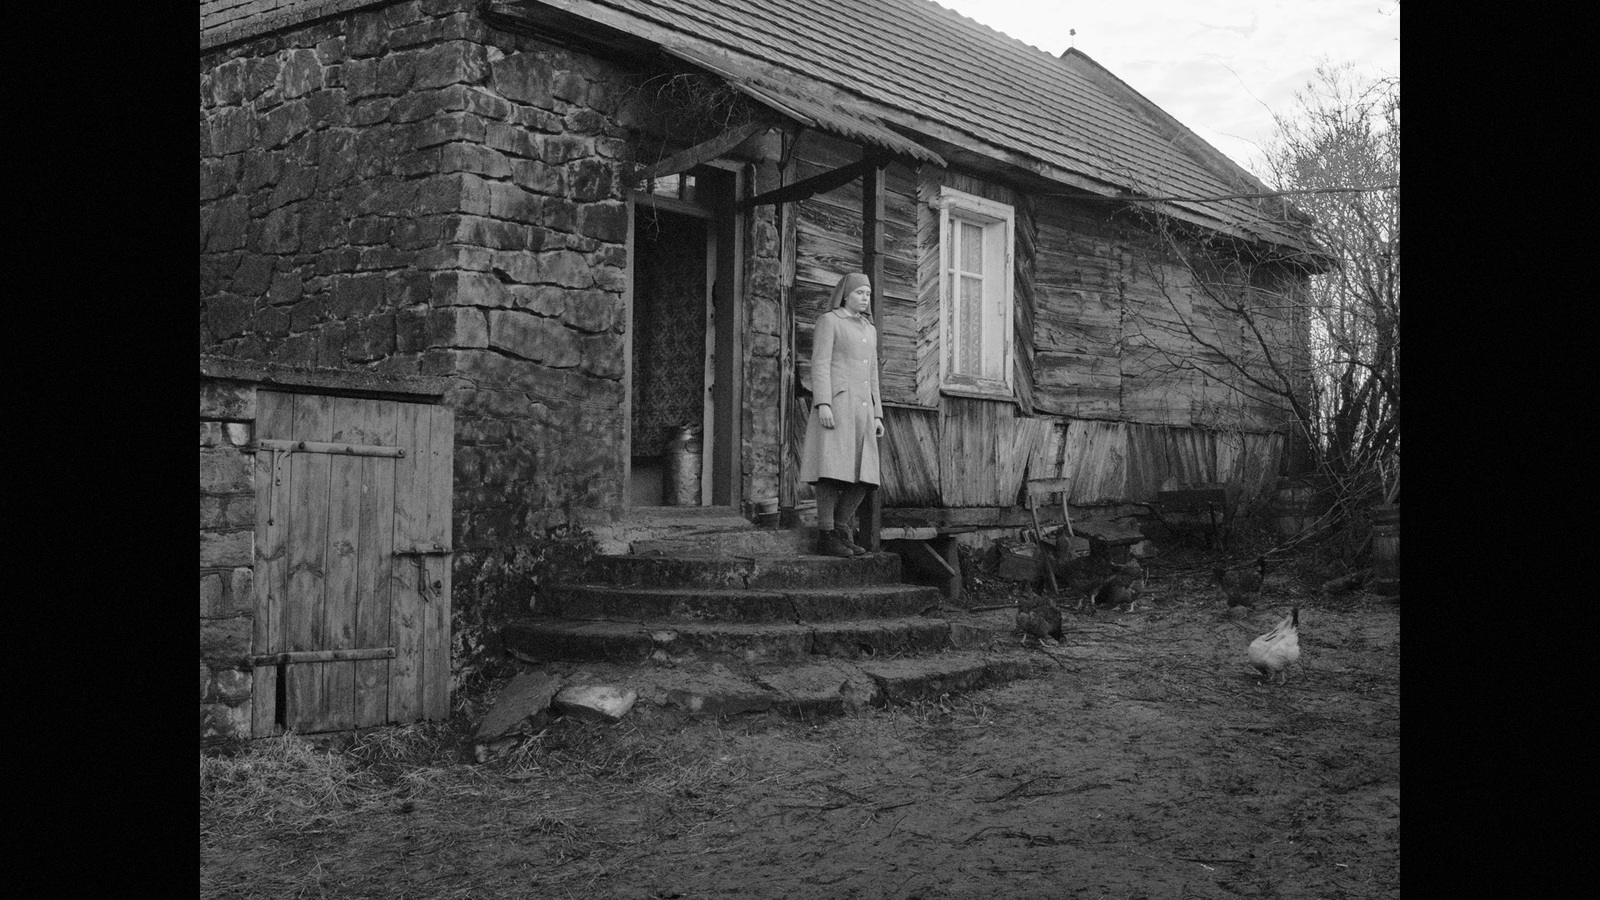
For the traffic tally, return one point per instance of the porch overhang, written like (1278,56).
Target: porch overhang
(831,116)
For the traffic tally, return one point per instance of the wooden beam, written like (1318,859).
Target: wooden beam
(699,153)
(816,184)
(319,656)
(872,199)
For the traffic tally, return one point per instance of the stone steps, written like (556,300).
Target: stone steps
(740,605)
(752,643)
(723,617)
(748,572)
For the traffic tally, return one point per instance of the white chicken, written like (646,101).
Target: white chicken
(1274,652)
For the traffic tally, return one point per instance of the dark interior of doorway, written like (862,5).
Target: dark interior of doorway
(669,346)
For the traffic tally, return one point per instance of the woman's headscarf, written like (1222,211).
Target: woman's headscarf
(847,284)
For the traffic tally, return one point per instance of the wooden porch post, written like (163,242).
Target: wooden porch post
(870,516)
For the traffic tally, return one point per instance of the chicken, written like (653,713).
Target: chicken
(1274,652)
(1040,621)
(1116,589)
(1242,588)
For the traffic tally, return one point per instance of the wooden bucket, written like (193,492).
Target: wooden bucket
(1386,549)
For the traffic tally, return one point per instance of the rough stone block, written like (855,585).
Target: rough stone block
(225,643)
(418,105)
(600,702)
(533,337)
(602,355)
(219,721)
(226,549)
(452,62)
(509,201)
(511,140)
(538,177)
(232,130)
(211,434)
(241,591)
(284,124)
(211,596)
(524,703)
(564,148)
(457,327)
(591,311)
(476,158)
(565,268)
(224,225)
(607,221)
(491,233)
(523,77)
(226,471)
(230,686)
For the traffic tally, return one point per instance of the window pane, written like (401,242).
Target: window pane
(971,327)
(971,248)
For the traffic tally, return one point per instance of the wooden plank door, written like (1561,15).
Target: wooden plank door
(352,572)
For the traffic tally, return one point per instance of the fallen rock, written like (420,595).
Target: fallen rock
(523,705)
(1144,550)
(600,702)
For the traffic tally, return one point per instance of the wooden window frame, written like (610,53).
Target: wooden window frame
(955,206)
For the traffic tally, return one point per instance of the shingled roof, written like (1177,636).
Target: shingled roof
(928,71)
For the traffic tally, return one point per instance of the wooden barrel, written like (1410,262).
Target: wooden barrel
(1296,505)
(1386,549)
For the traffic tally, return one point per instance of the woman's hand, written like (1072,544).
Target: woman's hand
(878,426)
(825,415)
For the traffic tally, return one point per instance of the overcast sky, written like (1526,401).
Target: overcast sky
(1221,67)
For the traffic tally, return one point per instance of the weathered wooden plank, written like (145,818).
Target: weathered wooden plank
(1045,462)
(911,457)
(436,614)
(789,361)
(376,574)
(1078,385)
(336,709)
(952,519)
(927,287)
(1229,450)
(270,578)
(1097,458)
(969,445)
(1023,305)
(305,618)
(410,530)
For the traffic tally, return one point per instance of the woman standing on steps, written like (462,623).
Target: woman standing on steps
(840,454)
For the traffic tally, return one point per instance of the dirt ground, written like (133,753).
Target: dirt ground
(1144,760)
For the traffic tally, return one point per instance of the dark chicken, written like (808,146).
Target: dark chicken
(1040,621)
(1117,589)
(1242,588)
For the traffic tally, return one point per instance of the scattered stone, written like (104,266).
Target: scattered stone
(524,705)
(718,692)
(600,702)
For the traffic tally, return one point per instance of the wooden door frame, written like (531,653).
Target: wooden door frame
(723,419)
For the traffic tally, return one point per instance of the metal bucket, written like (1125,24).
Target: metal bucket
(681,474)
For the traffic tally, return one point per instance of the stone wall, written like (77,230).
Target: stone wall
(401,190)
(227,554)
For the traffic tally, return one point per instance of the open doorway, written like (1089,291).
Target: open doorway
(683,384)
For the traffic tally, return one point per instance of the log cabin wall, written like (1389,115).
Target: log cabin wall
(1117,387)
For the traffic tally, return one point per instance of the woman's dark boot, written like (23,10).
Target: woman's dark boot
(828,544)
(845,537)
